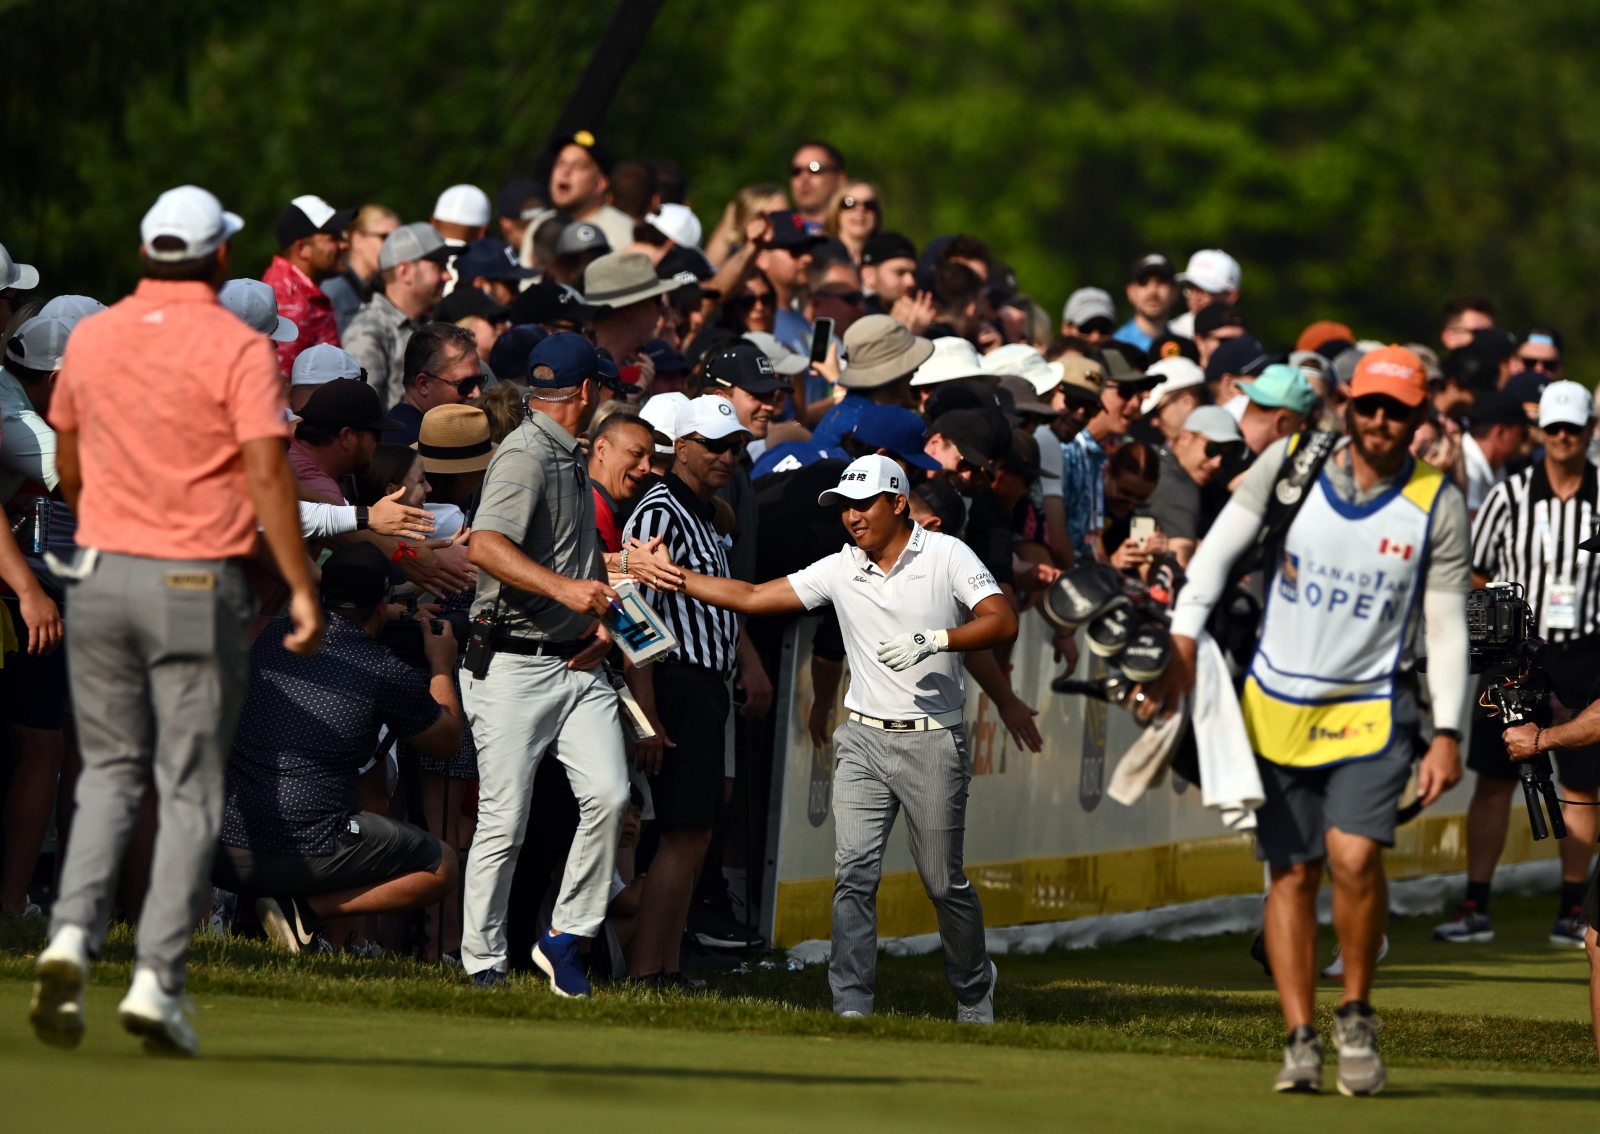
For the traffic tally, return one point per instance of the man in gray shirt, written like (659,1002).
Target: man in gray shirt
(412,260)
(541,583)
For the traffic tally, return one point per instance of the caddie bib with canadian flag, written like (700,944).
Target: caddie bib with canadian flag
(1320,689)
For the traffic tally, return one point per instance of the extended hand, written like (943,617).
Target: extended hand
(389,517)
(652,565)
(905,650)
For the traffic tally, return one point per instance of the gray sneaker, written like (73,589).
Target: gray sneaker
(983,1011)
(1355,1032)
(1302,1063)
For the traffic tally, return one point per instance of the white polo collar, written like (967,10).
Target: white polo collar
(913,546)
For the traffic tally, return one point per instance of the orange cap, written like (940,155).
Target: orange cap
(1391,370)
(1323,331)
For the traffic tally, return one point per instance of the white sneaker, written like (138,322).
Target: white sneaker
(158,1016)
(983,1011)
(1335,971)
(62,973)
(852,1014)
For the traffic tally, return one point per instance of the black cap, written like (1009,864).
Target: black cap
(293,224)
(742,364)
(1496,343)
(467,300)
(680,259)
(1214,315)
(1495,407)
(515,194)
(347,402)
(887,246)
(1333,348)
(789,231)
(586,139)
(1170,345)
(355,577)
(960,393)
(1154,264)
(981,435)
(550,302)
(1244,357)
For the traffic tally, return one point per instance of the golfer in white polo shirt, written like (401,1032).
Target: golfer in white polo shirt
(909,601)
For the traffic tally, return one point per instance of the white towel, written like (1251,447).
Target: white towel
(1144,765)
(1228,777)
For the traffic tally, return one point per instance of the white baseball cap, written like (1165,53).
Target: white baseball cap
(23,277)
(1565,402)
(189,214)
(463,204)
(661,411)
(1214,423)
(865,478)
(40,342)
(952,357)
(72,306)
(710,416)
(1211,270)
(1177,373)
(678,224)
(785,361)
(1020,360)
(257,304)
(323,363)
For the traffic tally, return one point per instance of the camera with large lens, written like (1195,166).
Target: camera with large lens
(404,635)
(1122,623)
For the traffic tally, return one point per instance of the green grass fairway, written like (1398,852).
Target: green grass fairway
(1180,1034)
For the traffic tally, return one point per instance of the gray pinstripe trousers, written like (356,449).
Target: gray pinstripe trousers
(876,775)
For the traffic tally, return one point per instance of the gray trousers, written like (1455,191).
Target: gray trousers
(876,775)
(158,656)
(522,707)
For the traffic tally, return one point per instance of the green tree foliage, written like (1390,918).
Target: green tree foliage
(1364,159)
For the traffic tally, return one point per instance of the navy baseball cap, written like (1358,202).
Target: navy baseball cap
(509,355)
(898,430)
(743,364)
(492,259)
(571,360)
(550,302)
(667,360)
(789,231)
(888,246)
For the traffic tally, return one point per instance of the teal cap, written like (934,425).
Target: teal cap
(1281,386)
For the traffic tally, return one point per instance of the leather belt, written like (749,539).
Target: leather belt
(527,647)
(915,724)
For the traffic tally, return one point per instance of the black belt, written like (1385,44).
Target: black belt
(542,649)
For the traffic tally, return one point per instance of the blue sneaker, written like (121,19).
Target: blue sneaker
(1570,928)
(1466,927)
(556,954)
(489,978)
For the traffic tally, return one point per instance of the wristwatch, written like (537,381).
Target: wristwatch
(361,517)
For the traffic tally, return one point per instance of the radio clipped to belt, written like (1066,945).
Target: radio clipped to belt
(480,643)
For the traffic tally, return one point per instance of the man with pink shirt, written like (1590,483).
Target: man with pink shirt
(170,423)
(311,236)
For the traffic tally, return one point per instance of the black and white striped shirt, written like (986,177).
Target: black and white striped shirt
(1524,534)
(707,636)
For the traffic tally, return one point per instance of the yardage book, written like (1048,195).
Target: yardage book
(638,629)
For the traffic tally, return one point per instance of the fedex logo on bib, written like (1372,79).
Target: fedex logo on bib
(1327,587)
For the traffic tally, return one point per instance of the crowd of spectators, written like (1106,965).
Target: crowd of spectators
(742,369)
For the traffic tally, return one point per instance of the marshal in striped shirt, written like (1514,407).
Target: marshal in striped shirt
(1524,534)
(707,636)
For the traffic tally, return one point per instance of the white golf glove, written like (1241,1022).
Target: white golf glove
(905,650)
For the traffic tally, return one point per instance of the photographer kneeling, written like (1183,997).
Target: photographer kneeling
(293,835)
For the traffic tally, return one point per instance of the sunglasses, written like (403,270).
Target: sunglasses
(851,298)
(813,167)
(1565,428)
(1368,405)
(868,203)
(1227,450)
(466,387)
(1543,365)
(721,445)
(749,299)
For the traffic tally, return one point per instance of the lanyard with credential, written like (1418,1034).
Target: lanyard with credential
(1561,594)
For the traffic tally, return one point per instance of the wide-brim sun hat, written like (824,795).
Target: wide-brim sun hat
(952,358)
(620,278)
(881,349)
(454,439)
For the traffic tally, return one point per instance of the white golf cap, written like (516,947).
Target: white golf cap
(1565,402)
(1214,423)
(257,304)
(323,363)
(463,204)
(677,223)
(1019,360)
(710,416)
(661,411)
(192,216)
(1177,373)
(72,306)
(1088,303)
(23,277)
(865,478)
(952,357)
(40,342)
(785,361)
(1211,270)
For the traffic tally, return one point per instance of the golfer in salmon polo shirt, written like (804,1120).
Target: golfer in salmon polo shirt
(169,413)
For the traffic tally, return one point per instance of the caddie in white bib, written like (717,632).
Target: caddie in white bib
(1321,685)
